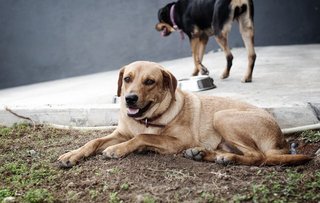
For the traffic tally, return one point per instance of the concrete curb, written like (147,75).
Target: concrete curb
(107,115)
(77,116)
(290,117)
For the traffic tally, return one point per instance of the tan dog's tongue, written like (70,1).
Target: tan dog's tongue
(133,111)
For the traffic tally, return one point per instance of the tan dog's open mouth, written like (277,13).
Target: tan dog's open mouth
(133,111)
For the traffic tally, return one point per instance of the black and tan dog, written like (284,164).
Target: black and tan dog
(204,18)
(157,116)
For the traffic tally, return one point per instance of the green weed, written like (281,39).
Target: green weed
(93,194)
(5,132)
(113,197)
(207,197)
(148,199)
(278,189)
(125,186)
(5,193)
(21,176)
(38,195)
(114,170)
(310,136)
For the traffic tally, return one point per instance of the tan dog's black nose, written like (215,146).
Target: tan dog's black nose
(131,99)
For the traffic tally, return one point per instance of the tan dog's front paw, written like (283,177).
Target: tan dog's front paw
(113,152)
(69,159)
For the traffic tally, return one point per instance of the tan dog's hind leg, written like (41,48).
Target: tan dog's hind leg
(250,137)
(276,157)
(247,33)
(71,158)
(251,157)
(251,131)
(158,143)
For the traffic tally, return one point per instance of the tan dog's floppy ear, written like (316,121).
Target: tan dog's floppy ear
(120,79)
(170,82)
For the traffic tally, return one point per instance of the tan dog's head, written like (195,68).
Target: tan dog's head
(145,88)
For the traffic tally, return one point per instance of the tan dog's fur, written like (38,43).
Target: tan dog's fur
(206,127)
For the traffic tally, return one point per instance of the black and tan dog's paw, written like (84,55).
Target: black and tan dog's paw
(196,153)
(204,71)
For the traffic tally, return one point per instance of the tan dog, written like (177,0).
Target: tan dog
(156,116)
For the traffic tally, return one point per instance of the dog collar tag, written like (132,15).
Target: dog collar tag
(146,122)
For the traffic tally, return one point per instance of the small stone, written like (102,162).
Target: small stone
(139,198)
(9,200)
(71,184)
(32,153)
(318,152)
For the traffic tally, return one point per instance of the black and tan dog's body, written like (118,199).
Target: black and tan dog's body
(155,115)
(204,18)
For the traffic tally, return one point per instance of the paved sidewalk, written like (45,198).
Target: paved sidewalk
(286,81)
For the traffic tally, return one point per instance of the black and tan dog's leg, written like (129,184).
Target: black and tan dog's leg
(202,47)
(198,46)
(71,158)
(194,42)
(247,33)
(222,40)
(161,144)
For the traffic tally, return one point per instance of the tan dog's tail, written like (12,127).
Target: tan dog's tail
(287,159)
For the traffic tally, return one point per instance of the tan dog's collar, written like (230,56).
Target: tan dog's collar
(147,122)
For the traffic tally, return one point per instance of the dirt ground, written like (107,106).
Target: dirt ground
(29,173)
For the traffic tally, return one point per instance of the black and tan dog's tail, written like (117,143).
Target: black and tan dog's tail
(287,159)
(225,11)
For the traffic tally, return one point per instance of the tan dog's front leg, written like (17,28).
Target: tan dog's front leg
(158,143)
(71,158)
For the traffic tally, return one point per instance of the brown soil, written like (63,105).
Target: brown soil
(148,177)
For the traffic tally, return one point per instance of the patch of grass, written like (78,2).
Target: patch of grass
(38,195)
(16,129)
(125,186)
(114,170)
(5,192)
(288,188)
(114,198)
(310,136)
(93,194)
(5,131)
(20,175)
(241,198)
(207,197)
(148,199)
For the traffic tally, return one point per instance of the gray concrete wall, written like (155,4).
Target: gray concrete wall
(43,40)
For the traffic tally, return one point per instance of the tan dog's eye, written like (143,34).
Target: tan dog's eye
(127,79)
(149,82)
